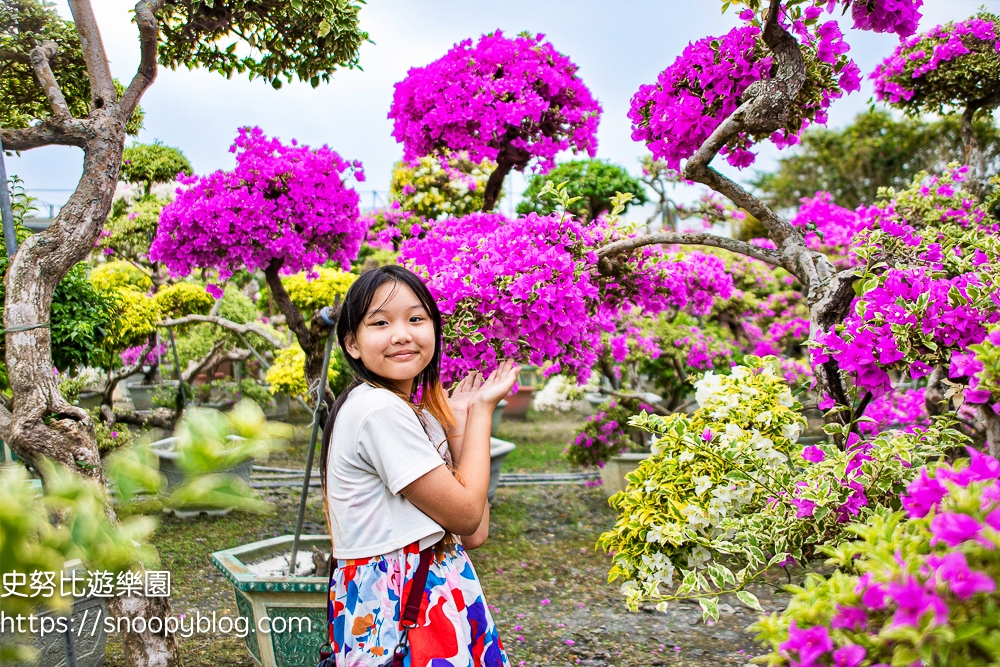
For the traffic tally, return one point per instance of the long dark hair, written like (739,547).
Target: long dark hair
(352,313)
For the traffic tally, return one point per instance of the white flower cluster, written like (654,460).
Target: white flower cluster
(557,395)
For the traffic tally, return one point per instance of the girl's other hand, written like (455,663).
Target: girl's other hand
(463,394)
(497,385)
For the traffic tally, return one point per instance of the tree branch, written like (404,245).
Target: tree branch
(40,56)
(764,110)
(117,376)
(771,257)
(149,32)
(53,131)
(102,86)
(242,329)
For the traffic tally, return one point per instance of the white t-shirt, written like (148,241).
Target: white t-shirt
(378,447)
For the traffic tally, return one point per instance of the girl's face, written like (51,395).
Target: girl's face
(396,336)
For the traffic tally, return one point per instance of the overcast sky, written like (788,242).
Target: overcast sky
(618,45)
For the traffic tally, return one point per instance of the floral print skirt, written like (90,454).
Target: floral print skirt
(454,628)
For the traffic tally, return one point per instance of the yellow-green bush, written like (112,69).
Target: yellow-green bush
(118,274)
(183,299)
(311,295)
(134,322)
(287,374)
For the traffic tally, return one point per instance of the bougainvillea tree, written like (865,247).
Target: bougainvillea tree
(952,67)
(547,300)
(766,79)
(282,209)
(510,100)
(38,422)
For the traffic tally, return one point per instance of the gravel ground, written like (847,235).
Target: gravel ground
(546,584)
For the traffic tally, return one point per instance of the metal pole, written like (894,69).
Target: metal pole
(320,395)
(6,210)
(70,642)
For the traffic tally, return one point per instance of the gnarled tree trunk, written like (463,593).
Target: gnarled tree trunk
(40,422)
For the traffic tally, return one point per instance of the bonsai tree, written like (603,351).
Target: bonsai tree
(149,164)
(283,209)
(548,302)
(952,67)
(592,182)
(509,100)
(83,108)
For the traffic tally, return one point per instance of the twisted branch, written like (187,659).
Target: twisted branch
(771,257)
(765,109)
(53,131)
(40,57)
(149,32)
(241,329)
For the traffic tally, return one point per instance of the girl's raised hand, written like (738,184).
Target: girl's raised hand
(497,385)
(463,394)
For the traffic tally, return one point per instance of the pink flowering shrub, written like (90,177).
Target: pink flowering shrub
(389,227)
(929,286)
(829,228)
(501,91)
(282,203)
(942,69)
(530,289)
(901,408)
(606,433)
(704,86)
(918,587)
(130,356)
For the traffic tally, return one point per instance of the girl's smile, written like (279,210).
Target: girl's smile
(396,337)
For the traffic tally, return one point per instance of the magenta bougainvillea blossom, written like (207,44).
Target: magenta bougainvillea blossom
(907,586)
(284,203)
(529,289)
(903,409)
(898,16)
(477,98)
(829,228)
(694,95)
(947,66)
(930,286)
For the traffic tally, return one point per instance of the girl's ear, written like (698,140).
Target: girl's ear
(351,344)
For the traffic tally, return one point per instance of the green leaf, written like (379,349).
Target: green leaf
(709,608)
(750,600)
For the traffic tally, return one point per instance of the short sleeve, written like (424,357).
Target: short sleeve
(393,442)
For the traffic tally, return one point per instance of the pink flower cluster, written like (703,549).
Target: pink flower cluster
(704,86)
(908,303)
(281,203)
(131,355)
(518,91)
(693,96)
(529,288)
(899,77)
(829,228)
(898,16)
(903,409)
(924,589)
(937,296)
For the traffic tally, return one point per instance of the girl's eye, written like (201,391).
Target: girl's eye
(379,323)
(416,318)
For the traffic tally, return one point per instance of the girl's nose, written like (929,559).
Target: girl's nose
(400,335)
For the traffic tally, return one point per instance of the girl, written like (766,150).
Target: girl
(406,469)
